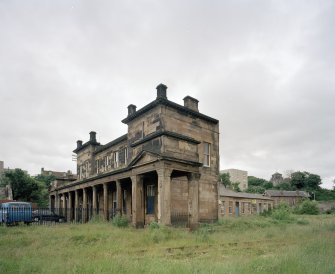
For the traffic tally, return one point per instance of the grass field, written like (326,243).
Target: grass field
(244,245)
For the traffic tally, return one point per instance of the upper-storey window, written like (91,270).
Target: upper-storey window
(86,169)
(97,166)
(116,159)
(207,154)
(125,151)
(106,161)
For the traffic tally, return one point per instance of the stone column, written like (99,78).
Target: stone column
(70,215)
(76,205)
(57,198)
(84,205)
(64,205)
(118,197)
(164,196)
(94,200)
(137,201)
(193,200)
(105,201)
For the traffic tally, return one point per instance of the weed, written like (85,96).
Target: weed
(120,221)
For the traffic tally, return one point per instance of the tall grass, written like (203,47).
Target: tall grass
(242,245)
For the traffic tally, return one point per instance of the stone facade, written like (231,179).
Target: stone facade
(166,166)
(238,176)
(234,204)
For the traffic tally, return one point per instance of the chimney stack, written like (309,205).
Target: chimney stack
(79,143)
(191,103)
(161,91)
(131,109)
(93,137)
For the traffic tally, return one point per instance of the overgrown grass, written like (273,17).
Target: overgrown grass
(253,244)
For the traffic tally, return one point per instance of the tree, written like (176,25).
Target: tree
(46,179)
(224,178)
(24,187)
(255,189)
(258,185)
(312,181)
(298,179)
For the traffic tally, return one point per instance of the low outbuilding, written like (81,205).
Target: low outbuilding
(234,204)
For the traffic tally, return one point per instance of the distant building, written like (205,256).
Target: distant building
(61,178)
(234,204)
(237,176)
(276,179)
(59,174)
(290,197)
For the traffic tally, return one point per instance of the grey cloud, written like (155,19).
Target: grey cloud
(263,68)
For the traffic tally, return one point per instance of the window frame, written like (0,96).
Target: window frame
(207,156)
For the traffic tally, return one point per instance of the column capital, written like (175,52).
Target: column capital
(164,172)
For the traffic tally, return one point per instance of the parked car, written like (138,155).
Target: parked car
(12,213)
(47,215)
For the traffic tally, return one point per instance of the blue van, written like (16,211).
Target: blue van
(12,213)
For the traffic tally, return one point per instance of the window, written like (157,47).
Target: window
(207,154)
(106,162)
(86,170)
(150,199)
(125,154)
(116,159)
(97,166)
(230,207)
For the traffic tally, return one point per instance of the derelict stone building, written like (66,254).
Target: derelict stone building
(165,167)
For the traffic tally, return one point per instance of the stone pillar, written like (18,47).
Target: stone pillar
(70,209)
(193,200)
(94,200)
(164,196)
(84,214)
(64,207)
(118,197)
(76,205)
(57,197)
(137,201)
(106,201)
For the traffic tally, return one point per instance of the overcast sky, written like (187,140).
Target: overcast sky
(265,69)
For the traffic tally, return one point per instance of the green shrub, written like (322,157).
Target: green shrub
(154,225)
(282,212)
(120,221)
(308,207)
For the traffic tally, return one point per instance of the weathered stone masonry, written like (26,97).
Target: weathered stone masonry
(164,168)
